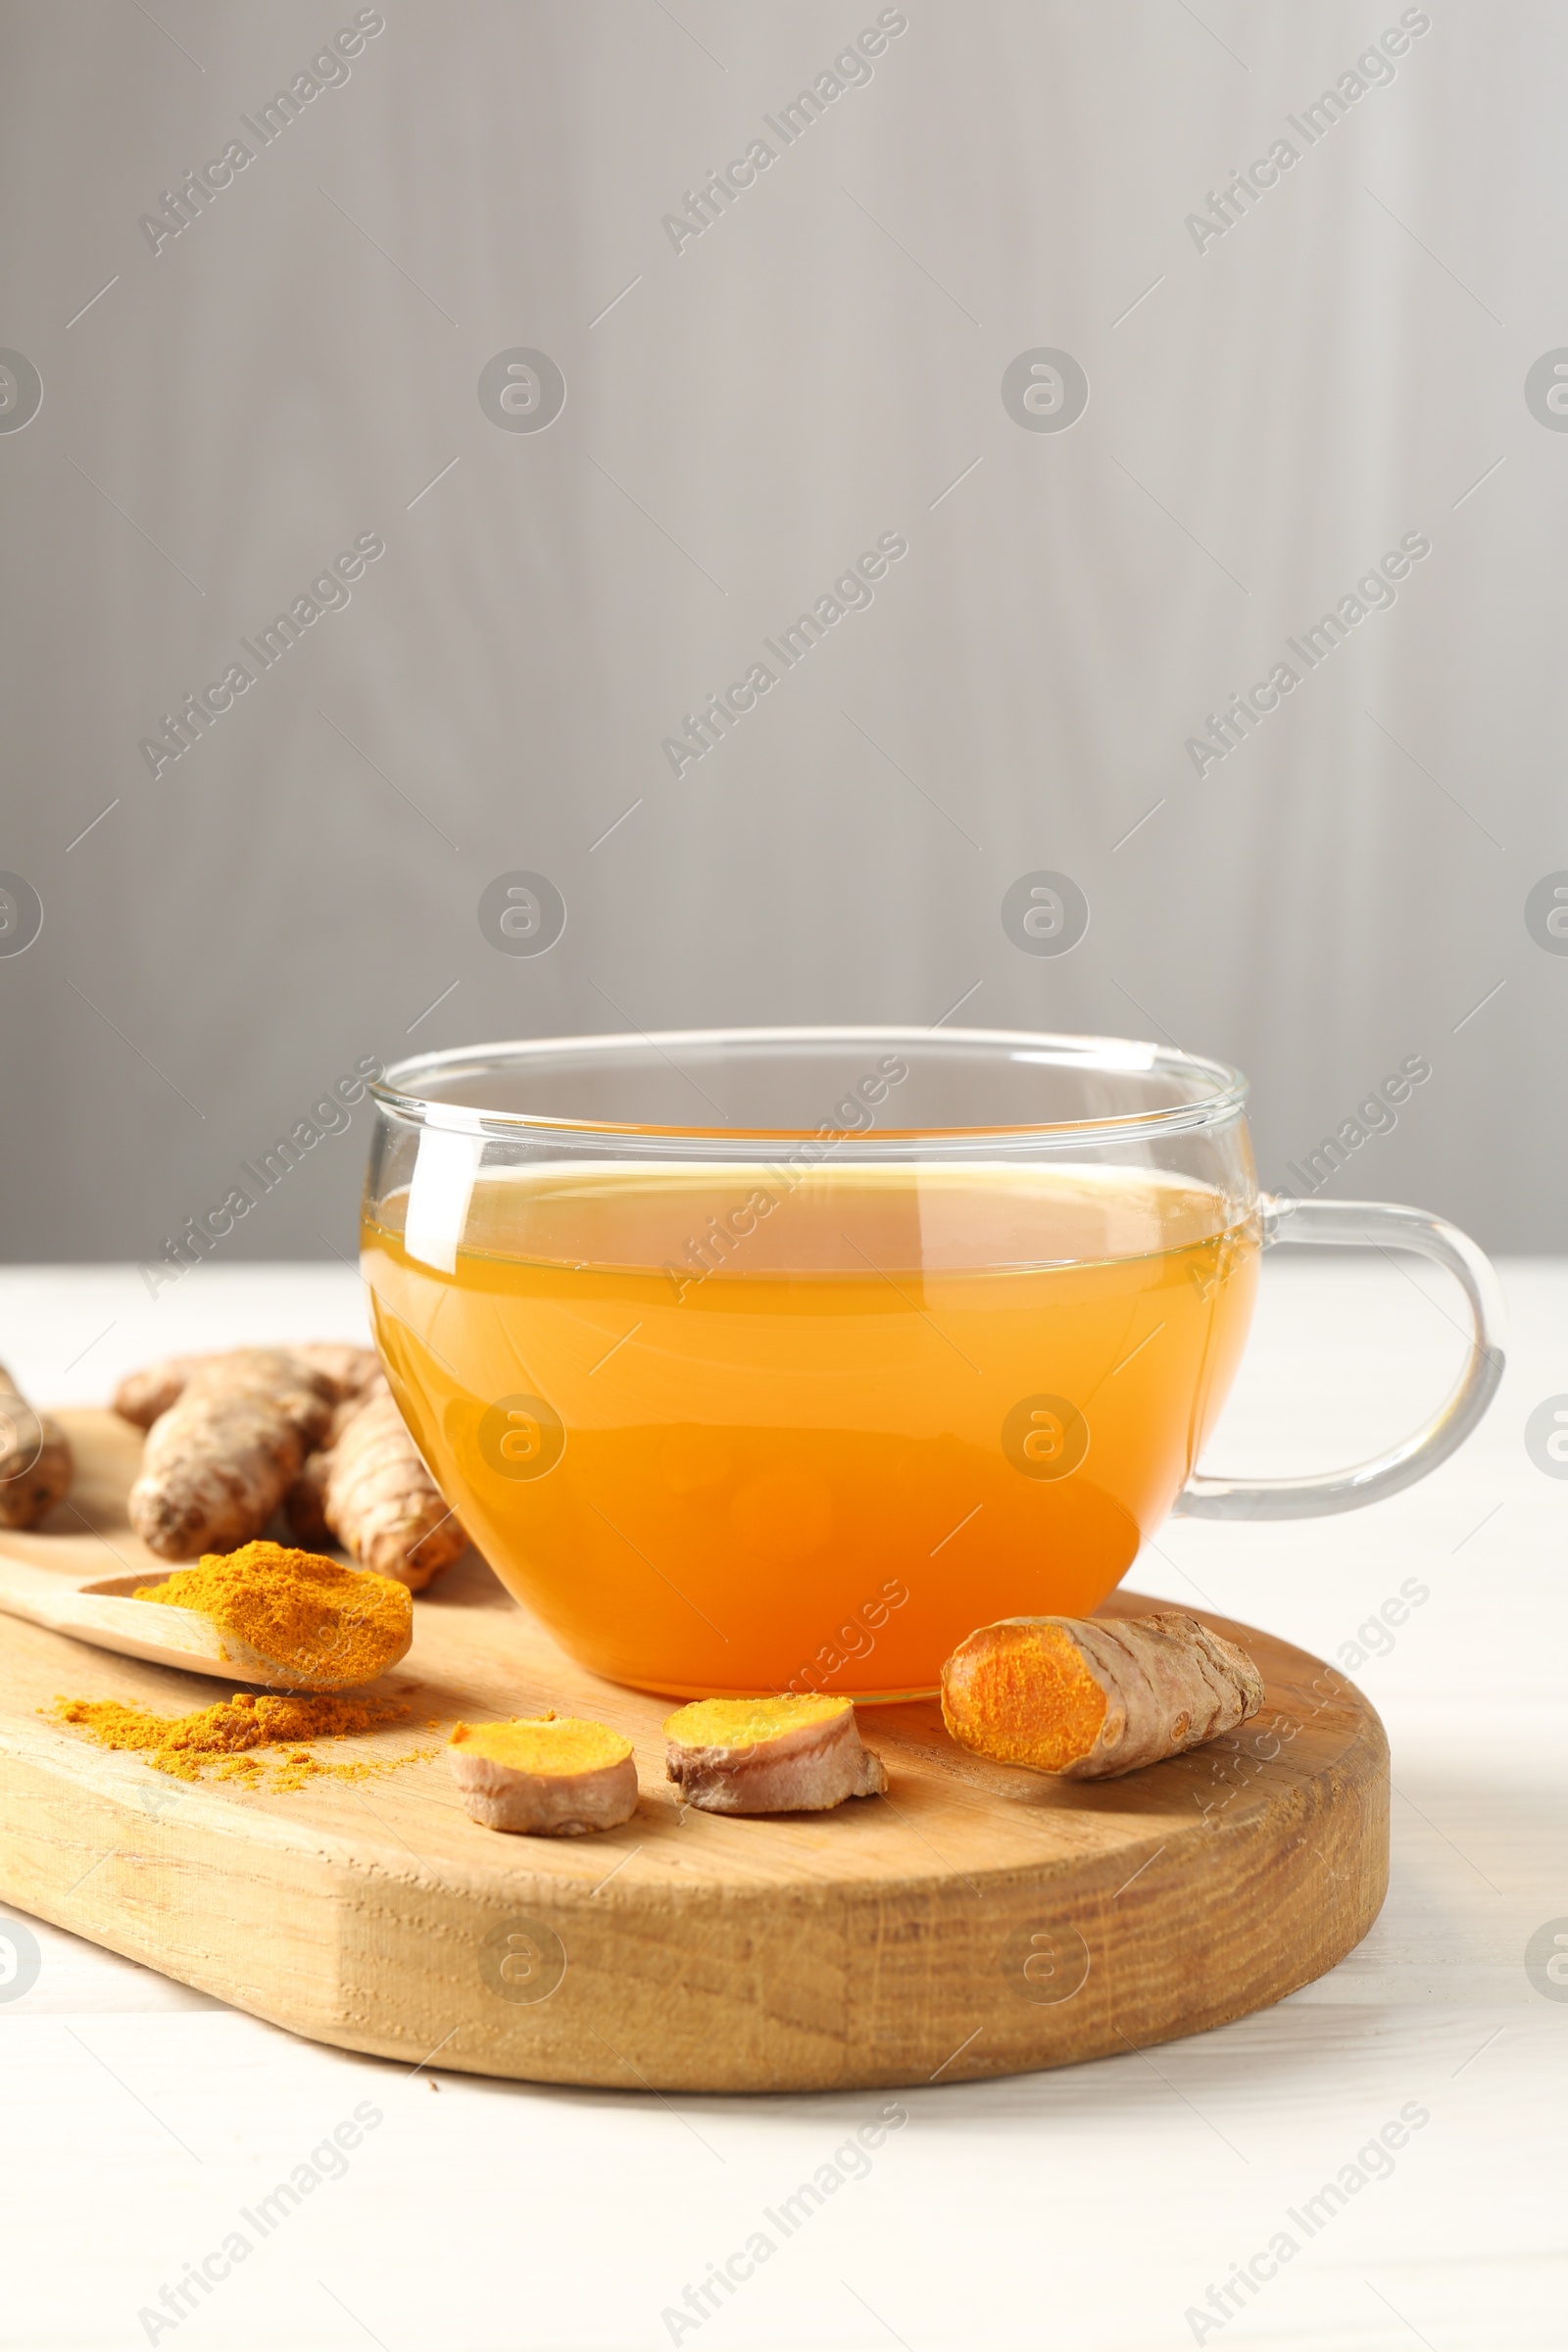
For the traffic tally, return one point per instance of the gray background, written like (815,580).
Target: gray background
(1342,368)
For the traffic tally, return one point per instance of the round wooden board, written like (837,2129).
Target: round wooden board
(976,1921)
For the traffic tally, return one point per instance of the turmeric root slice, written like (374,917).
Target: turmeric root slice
(1092,1698)
(219,1461)
(37,1465)
(770,1756)
(547,1779)
(383,1503)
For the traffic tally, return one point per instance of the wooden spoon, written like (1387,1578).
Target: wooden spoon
(102,1611)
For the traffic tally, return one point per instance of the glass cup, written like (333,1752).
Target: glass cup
(765,1360)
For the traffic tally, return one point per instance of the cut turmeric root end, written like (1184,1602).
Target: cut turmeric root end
(1021,1694)
(1089,1698)
(549,1778)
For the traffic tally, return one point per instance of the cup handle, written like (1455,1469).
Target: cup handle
(1372,1225)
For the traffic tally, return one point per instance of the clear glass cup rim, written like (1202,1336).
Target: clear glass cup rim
(1219,1091)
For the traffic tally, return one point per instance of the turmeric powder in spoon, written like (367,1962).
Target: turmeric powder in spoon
(330,1626)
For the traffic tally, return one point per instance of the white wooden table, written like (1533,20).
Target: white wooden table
(1092,2209)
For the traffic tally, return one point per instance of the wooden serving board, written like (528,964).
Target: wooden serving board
(979,1920)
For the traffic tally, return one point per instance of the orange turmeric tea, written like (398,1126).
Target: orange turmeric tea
(742,1430)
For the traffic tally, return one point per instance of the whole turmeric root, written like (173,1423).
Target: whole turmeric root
(36,1461)
(143,1397)
(306,1503)
(218,1462)
(211,1482)
(351,1373)
(305,1499)
(381,1503)
(1091,1698)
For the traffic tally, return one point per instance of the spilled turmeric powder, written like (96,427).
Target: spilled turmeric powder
(219,1742)
(324,1622)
